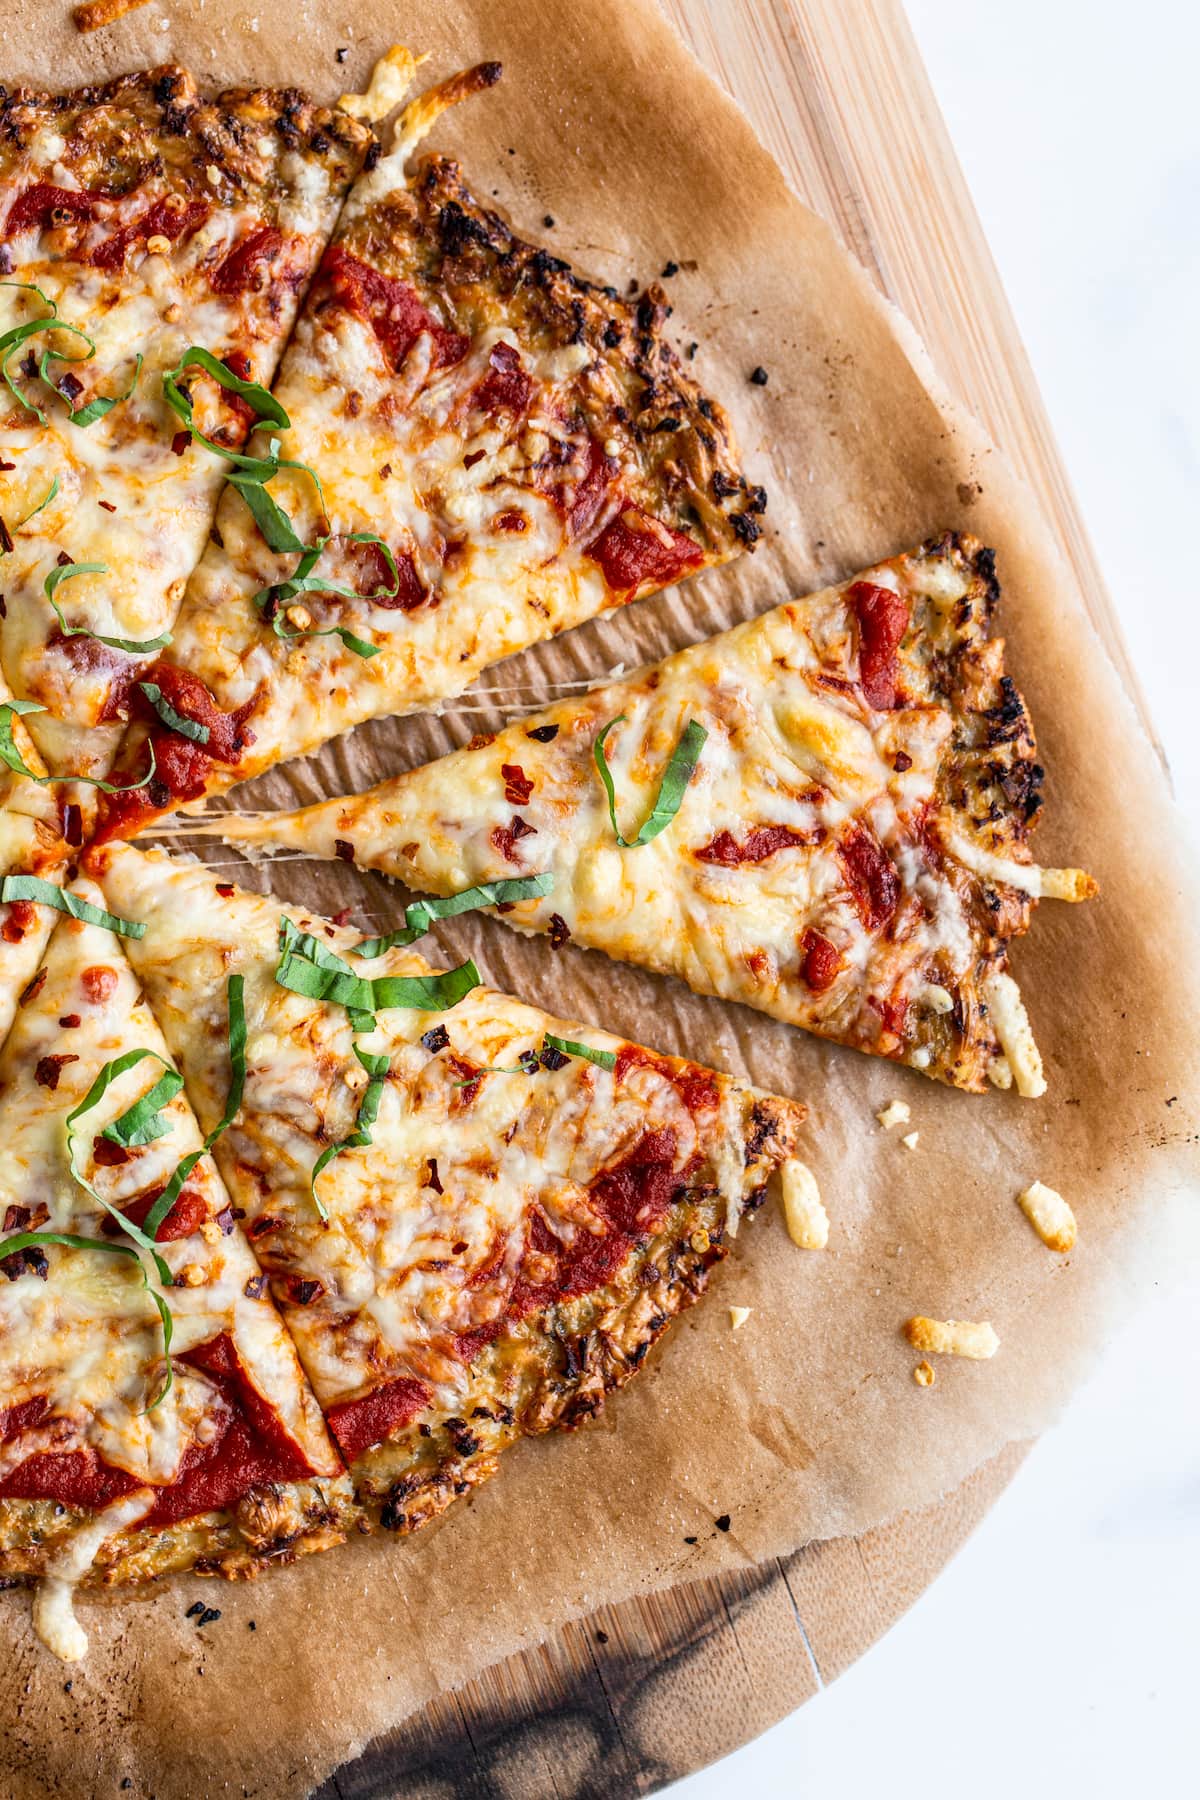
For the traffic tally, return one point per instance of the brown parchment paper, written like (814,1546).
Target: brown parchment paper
(807,1423)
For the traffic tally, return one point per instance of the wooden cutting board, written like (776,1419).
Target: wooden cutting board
(642,1693)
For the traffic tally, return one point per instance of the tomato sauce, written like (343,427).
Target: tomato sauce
(883,618)
(634,549)
(392,308)
(871,876)
(757,845)
(357,1424)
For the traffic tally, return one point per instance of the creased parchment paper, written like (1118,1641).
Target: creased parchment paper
(807,1422)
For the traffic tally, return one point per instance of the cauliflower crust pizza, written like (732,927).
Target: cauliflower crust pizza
(475,1219)
(483,451)
(849,852)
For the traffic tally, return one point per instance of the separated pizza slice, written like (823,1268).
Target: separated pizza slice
(476,1219)
(139,224)
(823,813)
(484,450)
(153,1415)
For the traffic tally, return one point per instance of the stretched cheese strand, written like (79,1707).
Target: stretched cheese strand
(53,1612)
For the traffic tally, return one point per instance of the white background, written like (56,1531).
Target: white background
(1059,1655)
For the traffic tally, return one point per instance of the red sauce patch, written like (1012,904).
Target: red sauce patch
(251,1450)
(16,1419)
(365,568)
(635,549)
(883,618)
(590,494)
(357,1424)
(187,1213)
(182,767)
(166,218)
(823,962)
(506,387)
(239,270)
(871,876)
(506,837)
(757,845)
(696,1087)
(35,206)
(391,308)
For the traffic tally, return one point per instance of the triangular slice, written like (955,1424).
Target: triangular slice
(510,1224)
(850,854)
(148,220)
(231,1469)
(526,445)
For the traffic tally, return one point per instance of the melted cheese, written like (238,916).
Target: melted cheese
(402,1268)
(53,1614)
(789,747)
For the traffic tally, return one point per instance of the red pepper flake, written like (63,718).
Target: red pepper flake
(435,1039)
(343,850)
(225,889)
(107,1155)
(73,825)
(432,1178)
(49,1069)
(33,988)
(506,837)
(69,1021)
(107,505)
(255,1287)
(559,931)
(517,786)
(303,1290)
(180,442)
(902,762)
(543,734)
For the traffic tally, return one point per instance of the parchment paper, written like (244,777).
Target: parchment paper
(808,1422)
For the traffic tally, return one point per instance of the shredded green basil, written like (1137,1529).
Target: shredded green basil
(236,1013)
(188,728)
(102,404)
(44,893)
(67,572)
(266,408)
(12,756)
(603,1059)
(679,772)
(50,494)
(11,341)
(307,967)
(421,914)
(143,1122)
(272,601)
(368,1112)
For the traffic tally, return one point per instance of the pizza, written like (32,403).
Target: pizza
(475,1219)
(849,853)
(484,450)
(145,233)
(119,1461)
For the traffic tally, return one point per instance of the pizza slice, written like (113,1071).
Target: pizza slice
(476,1219)
(153,1416)
(484,450)
(140,225)
(848,853)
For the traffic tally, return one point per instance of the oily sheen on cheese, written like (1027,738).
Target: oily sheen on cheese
(845,854)
(507,1247)
(527,445)
(152,220)
(81,1341)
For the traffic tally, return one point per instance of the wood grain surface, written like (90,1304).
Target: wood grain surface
(640,1694)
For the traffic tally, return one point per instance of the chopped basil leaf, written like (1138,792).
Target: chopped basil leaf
(325,977)
(44,893)
(603,1059)
(41,506)
(235,1002)
(266,408)
(420,915)
(188,728)
(143,1122)
(67,572)
(275,525)
(11,341)
(679,772)
(12,756)
(273,601)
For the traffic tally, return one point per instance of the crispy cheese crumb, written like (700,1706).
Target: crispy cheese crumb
(1068,884)
(391,79)
(699,1241)
(213,175)
(953,1337)
(896,1112)
(158,245)
(807,1220)
(1050,1216)
(1012,1027)
(924,1375)
(299,616)
(95,13)
(738,1316)
(911,1139)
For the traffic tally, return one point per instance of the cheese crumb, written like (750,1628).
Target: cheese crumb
(699,1241)
(213,175)
(299,616)
(158,245)
(807,1220)
(938,999)
(391,79)
(1050,1216)
(924,1375)
(953,1337)
(896,1112)
(1012,1027)
(738,1316)
(910,1139)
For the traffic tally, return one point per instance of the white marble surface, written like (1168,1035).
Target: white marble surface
(1057,1656)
